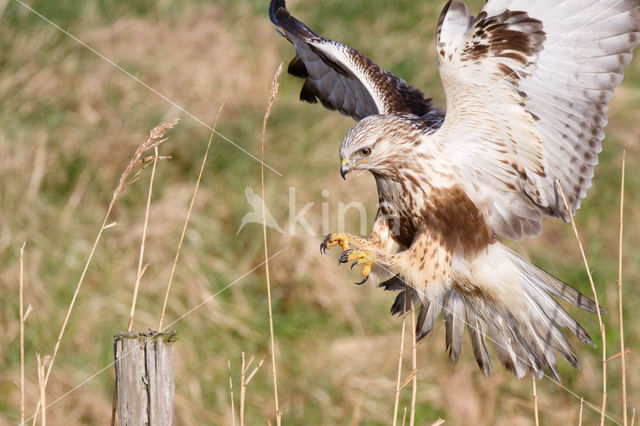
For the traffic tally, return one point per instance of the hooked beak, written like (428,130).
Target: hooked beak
(344,168)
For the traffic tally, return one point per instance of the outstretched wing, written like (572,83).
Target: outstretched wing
(527,87)
(344,79)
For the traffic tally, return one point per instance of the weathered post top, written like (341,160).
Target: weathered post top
(144,377)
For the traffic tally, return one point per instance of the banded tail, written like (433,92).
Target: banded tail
(504,299)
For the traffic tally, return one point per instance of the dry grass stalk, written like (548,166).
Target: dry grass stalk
(243,388)
(404,416)
(137,163)
(535,401)
(141,270)
(186,222)
(23,318)
(414,366)
(144,236)
(633,416)
(580,414)
(397,399)
(272,98)
(595,298)
(620,313)
(617,355)
(42,365)
(245,379)
(408,379)
(438,422)
(233,408)
(355,417)
(255,370)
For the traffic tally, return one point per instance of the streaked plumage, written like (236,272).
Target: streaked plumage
(527,85)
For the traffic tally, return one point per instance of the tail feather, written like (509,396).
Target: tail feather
(477,332)
(551,335)
(427,317)
(543,348)
(553,285)
(404,300)
(502,340)
(523,318)
(554,311)
(394,283)
(502,297)
(528,352)
(455,318)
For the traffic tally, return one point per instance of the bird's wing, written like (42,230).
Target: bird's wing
(527,87)
(344,79)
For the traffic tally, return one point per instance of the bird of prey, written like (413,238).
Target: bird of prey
(527,84)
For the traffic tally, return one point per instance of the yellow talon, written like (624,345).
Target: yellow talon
(364,257)
(335,239)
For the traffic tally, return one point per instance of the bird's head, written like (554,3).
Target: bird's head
(378,142)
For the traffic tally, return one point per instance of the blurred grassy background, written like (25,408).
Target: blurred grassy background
(69,122)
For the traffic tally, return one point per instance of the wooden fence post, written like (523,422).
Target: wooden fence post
(144,377)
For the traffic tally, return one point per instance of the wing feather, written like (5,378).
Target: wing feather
(527,87)
(344,79)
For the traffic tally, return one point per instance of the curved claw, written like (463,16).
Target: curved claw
(344,258)
(323,245)
(355,262)
(364,280)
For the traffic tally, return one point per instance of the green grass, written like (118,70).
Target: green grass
(69,123)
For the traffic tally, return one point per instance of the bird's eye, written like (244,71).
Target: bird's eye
(365,152)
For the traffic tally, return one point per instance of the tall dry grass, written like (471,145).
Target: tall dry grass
(275,84)
(23,318)
(623,349)
(398,387)
(186,222)
(603,337)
